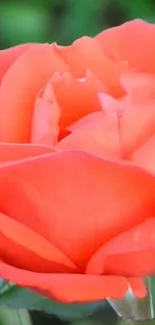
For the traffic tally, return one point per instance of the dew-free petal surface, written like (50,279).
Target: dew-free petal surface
(133,42)
(13,151)
(94,134)
(138,287)
(64,101)
(22,82)
(45,122)
(22,247)
(8,56)
(76,97)
(76,200)
(114,135)
(85,53)
(145,155)
(68,287)
(140,87)
(131,253)
(136,121)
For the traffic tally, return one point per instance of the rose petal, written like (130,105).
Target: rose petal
(23,248)
(138,287)
(12,151)
(116,134)
(77,201)
(8,56)
(22,82)
(68,287)
(64,101)
(76,97)
(136,122)
(132,42)
(139,86)
(94,134)
(45,122)
(145,155)
(85,53)
(128,254)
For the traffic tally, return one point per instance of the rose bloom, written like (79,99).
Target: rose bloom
(77,172)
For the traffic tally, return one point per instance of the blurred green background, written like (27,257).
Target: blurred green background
(63,21)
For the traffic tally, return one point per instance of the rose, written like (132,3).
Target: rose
(48,82)
(45,81)
(69,85)
(124,128)
(78,225)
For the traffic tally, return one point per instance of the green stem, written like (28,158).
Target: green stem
(14,316)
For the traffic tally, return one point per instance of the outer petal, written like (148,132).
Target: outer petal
(76,200)
(68,287)
(128,254)
(132,42)
(85,53)
(8,56)
(11,151)
(19,90)
(138,287)
(23,248)
(140,87)
(145,155)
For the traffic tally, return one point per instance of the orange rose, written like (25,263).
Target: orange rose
(79,225)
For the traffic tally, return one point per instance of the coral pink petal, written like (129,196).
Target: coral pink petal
(94,134)
(76,200)
(22,247)
(138,287)
(83,122)
(20,87)
(8,56)
(85,53)
(132,42)
(68,287)
(76,97)
(45,122)
(64,100)
(139,86)
(12,151)
(136,122)
(112,135)
(145,155)
(128,254)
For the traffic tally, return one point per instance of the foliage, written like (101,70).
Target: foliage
(65,20)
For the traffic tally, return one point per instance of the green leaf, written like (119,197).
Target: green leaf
(14,317)
(143,9)
(17,297)
(22,23)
